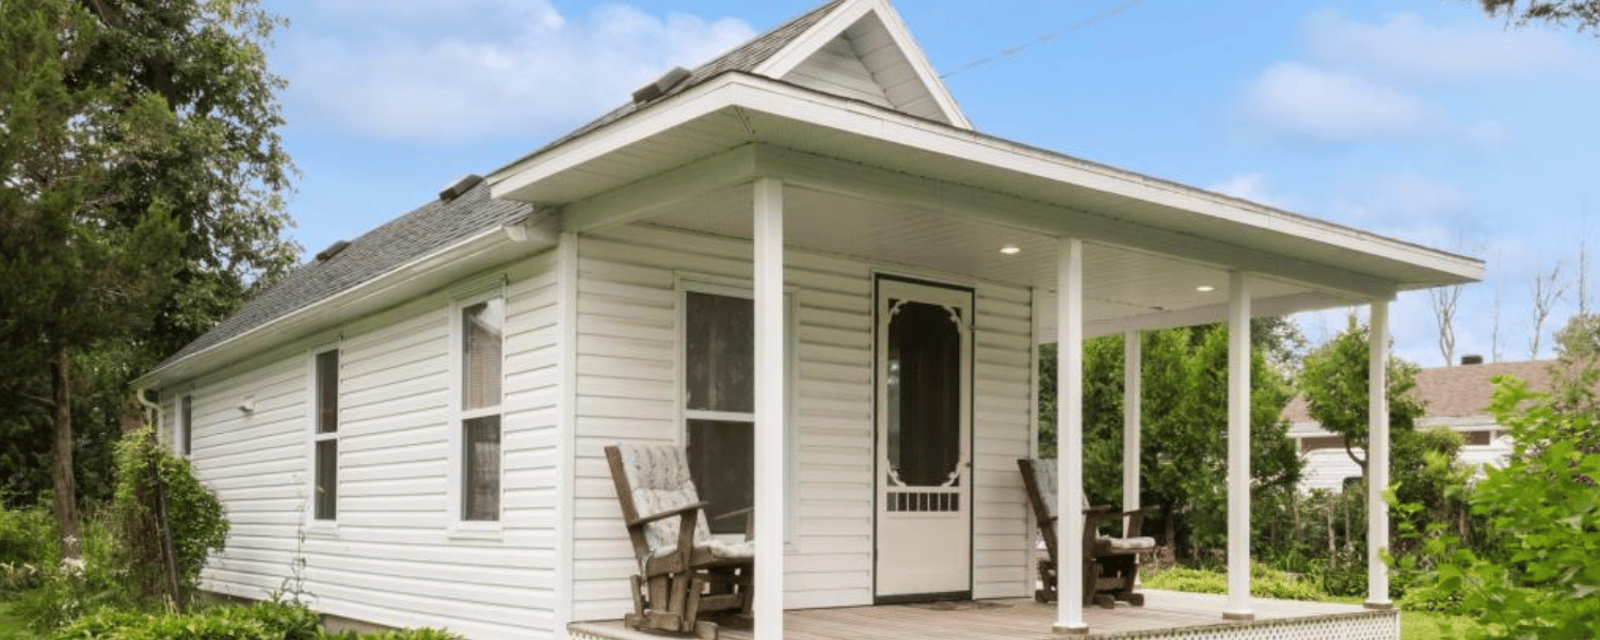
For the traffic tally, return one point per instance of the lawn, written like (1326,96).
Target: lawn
(1422,625)
(13,627)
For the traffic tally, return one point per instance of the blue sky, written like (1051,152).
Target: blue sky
(1424,120)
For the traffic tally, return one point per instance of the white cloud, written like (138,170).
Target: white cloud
(447,71)
(1405,47)
(1295,100)
(1305,101)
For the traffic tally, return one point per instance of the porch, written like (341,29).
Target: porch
(1167,614)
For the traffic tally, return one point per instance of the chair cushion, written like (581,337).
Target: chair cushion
(711,552)
(659,476)
(1104,545)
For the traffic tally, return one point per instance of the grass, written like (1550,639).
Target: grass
(12,626)
(1424,625)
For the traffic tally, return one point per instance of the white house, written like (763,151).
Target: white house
(1454,397)
(409,429)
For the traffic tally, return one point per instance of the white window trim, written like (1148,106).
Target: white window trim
(459,527)
(686,283)
(313,525)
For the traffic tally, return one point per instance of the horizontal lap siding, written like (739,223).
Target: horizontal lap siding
(1002,410)
(627,370)
(392,558)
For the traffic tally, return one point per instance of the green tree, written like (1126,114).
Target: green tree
(141,195)
(1575,375)
(1542,583)
(1334,377)
(1582,14)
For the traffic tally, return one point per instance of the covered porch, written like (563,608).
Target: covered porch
(1190,616)
(764,175)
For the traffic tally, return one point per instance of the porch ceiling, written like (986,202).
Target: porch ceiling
(1125,288)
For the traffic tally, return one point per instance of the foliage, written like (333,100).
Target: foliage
(1575,375)
(27,536)
(267,620)
(1543,583)
(1582,14)
(1183,416)
(1265,582)
(61,593)
(141,197)
(1333,378)
(146,473)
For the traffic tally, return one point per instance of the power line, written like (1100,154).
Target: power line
(1009,52)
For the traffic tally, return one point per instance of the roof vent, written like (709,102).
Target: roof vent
(460,187)
(661,86)
(333,250)
(1471,358)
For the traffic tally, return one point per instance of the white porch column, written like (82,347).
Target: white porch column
(770,431)
(1238,448)
(1069,437)
(1378,457)
(1132,392)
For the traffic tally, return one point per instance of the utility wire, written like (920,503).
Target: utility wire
(1013,51)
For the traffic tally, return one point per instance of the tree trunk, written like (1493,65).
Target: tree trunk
(65,485)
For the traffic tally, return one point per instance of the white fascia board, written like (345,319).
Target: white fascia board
(392,288)
(842,18)
(735,89)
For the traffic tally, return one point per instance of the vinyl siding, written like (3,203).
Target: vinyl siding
(393,557)
(627,390)
(836,69)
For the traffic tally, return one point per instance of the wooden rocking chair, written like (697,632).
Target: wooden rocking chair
(683,571)
(1110,565)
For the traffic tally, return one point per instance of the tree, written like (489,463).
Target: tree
(1334,380)
(141,184)
(1443,301)
(1547,289)
(1582,14)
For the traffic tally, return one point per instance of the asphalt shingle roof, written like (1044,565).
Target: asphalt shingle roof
(428,229)
(1455,392)
(437,225)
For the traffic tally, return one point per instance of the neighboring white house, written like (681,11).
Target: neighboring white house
(1455,397)
(409,429)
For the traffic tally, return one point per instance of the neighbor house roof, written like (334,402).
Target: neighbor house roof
(1454,392)
(429,229)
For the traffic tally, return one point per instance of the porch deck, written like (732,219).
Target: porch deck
(1166,614)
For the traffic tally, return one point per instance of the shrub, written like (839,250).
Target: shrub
(260,621)
(146,471)
(1265,582)
(27,536)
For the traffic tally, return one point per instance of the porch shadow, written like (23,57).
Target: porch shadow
(1166,615)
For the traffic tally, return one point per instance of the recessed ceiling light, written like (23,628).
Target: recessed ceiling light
(1011,250)
(1205,288)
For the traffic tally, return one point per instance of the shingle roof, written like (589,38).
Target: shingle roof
(437,225)
(428,229)
(1455,392)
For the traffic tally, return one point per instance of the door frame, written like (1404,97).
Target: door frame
(969,363)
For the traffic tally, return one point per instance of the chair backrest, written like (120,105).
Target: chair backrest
(657,478)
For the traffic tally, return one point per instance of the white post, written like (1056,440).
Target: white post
(1069,437)
(770,431)
(1378,457)
(1238,448)
(1132,390)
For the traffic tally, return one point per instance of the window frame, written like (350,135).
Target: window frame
(317,435)
(459,525)
(687,283)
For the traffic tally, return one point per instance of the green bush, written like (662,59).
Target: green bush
(260,621)
(194,517)
(1265,582)
(28,536)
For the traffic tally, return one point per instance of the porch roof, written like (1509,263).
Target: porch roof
(874,182)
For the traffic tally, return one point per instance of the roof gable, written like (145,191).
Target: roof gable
(862,50)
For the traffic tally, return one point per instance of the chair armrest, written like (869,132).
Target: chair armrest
(735,512)
(644,520)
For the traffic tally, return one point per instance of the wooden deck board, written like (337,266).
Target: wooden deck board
(1010,619)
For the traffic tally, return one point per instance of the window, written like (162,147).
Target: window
(482,332)
(326,435)
(719,401)
(185,425)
